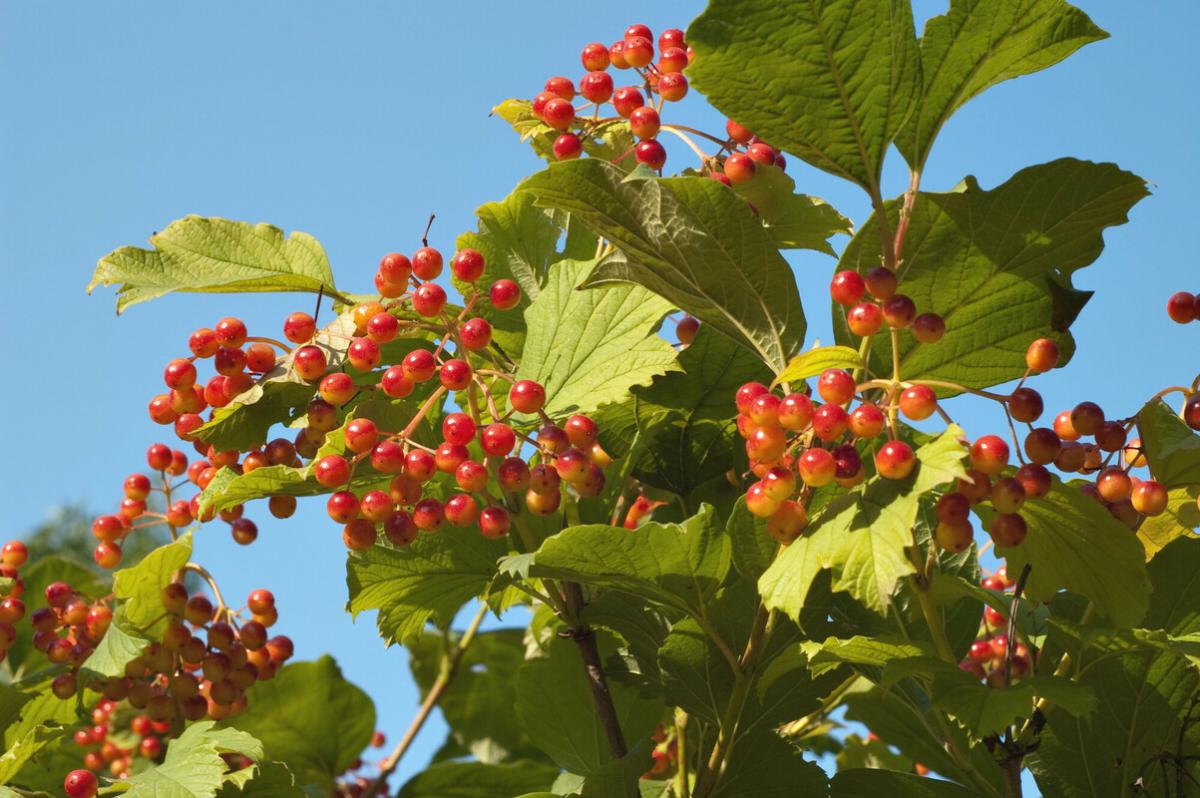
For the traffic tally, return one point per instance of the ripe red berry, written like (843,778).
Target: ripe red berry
(458,428)
(1008,530)
(300,327)
(428,515)
(817,467)
(867,421)
(738,133)
(895,460)
(383,327)
(672,59)
(337,388)
(759,502)
(645,122)
(108,555)
(429,299)
(14,553)
(455,374)
(989,454)
(395,383)
(558,113)
(419,365)
(596,86)
(739,168)
(527,396)
(467,265)
(686,330)
(567,147)
(1087,417)
(1191,411)
(638,31)
(650,153)
(359,535)
(388,457)
(1149,497)
(762,153)
(627,99)
(81,784)
(952,507)
(230,332)
(363,354)
(836,386)
(504,294)
(332,470)
(918,402)
(638,51)
(394,268)
(1041,356)
(881,282)
(1181,307)
(498,439)
(420,465)
(361,435)
(461,510)
(561,87)
(309,363)
(865,319)
(427,263)
(673,86)
(594,57)
(203,343)
(494,522)
(581,431)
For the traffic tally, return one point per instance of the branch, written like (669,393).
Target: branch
(593,669)
(449,670)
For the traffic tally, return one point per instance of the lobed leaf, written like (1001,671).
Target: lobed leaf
(1172,449)
(815,361)
(209,254)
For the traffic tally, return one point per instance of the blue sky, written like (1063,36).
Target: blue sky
(353,122)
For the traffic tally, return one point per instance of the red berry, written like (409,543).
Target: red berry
(337,388)
(395,268)
(881,282)
(672,59)
(363,354)
(928,328)
(686,330)
(388,457)
(638,51)
(527,396)
(1191,411)
(1026,405)
(1181,307)
(1035,479)
(395,383)
(899,312)
(494,522)
(309,363)
(918,402)
(836,386)
(1041,356)
(467,265)
(867,421)
(498,439)
(865,319)
(895,460)
(332,470)
(429,299)
(673,86)
(786,523)
(746,394)
(594,57)
(81,784)
(1008,530)
(361,435)
(558,113)
(1087,418)
(383,327)
(461,510)
(627,99)
(458,428)
(739,168)
(645,123)
(738,133)
(358,535)
(427,263)
(504,294)
(795,412)
(203,343)
(762,153)
(650,153)
(817,467)
(419,365)
(428,515)
(989,454)
(455,374)
(596,86)
(561,87)
(567,147)
(616,55)
(420,465)
(581,431)
(230,332)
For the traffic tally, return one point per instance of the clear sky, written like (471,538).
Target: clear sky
(354,121)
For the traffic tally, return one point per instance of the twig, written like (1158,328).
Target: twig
(428,225)
(449,669)
(585,640)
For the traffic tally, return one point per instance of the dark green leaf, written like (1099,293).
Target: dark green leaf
(832,81)
(1172,448)
(869,783)
(794,221)
(193,766)
(477,780)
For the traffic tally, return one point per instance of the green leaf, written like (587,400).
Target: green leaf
(554,706)
(620,777)
(517,242)
(976,45)
(763,765)
(832,81)
(677,565)
(641,628)
(996,265)
(588,348)
(477,706)
(988,710)
(689,240)
(477,780)
(1180,519)
(1074,543)
(193,766)
(606,141)
(268,780)
(815,361)
(138,590)
(861,537)
(20,749)
(870,753)
(686,417)
(875,652)
(311,719)
(794,221)
(208,254)
(1146,694)
(430,579)
(751,546)
(1172,448)
(871,783)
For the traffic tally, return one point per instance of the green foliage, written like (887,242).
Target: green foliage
(832,81)
(193,766)
(794,221)
(207,255)
(869,783)
(976,45)
(606,141)
(814,361)
(996,265)
(689,240)
(311,719)
(477,780)
(1171,447)
(588,348)
(862,536)
(428,580)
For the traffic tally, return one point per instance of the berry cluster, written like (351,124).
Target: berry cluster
(13,555)
(67,631)
(115,752)
(988,654)
(1183,306)
(898,311)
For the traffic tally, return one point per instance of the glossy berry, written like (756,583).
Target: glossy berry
(363,354)
(686,330)
(1042,445)
(594,57)
(881,282)
(864,319)
(504,294)
(395,268)
(739,168)
(1008,530)
(1191,411)
(1149,497)
(427,263)
(899,312)
(1008,495)
(836,386)
(561,87)
(829,422)
(309,363)
(494,522)
(1041,356)
(332,471)
(467,265)
(650,153)
(527,396)
(382,328)
(795,412)
(638,51)
(989,454)
(847,288)
(230,332)
(816,467)
(300,327)
(918,402)
(461,510)
(1181,307)
(627,99)
(558,113)
(738,133)
(429,299)
(1086,418)
(419,365)
(928,328)
(567,147)
(867,421)
(455,374)
(1026,405)
(81,784)
(596,86)
(673,86)
(497,439)
(337,388)
(953,536)
(895,460)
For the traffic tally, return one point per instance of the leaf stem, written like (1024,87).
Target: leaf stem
(203,573)
(681,753)
(448,672)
